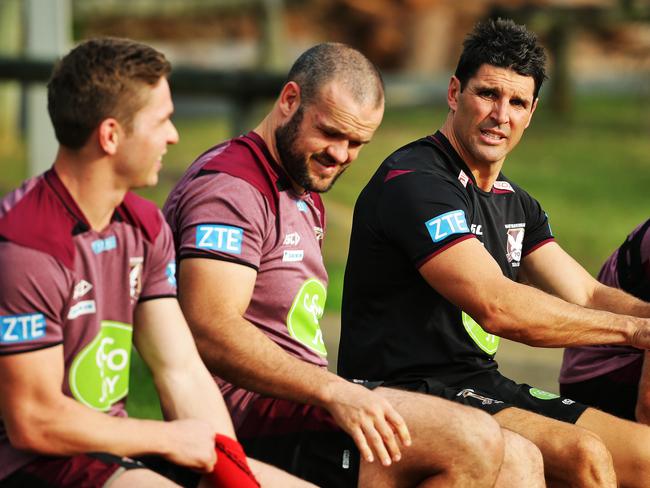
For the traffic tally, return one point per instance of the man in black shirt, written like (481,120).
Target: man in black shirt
(440,238)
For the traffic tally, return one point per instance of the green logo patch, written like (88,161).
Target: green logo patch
(99,376)
(489,343)
(542,395)
(305,313)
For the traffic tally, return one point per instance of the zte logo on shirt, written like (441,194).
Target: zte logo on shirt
(447,224)
(102,245)
(21,328)
(224,238)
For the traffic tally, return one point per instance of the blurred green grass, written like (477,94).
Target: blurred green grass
(589,170)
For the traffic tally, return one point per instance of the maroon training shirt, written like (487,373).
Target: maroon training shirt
(63,283)
(235,203)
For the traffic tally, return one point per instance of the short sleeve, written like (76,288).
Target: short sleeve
(159,275)
(538,229)
(222,217)
(34,295)
(423,214)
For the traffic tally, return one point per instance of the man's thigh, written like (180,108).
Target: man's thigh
(95,470)
(301,439)
(455,444)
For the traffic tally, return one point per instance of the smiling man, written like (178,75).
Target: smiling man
(87,269)
(248,223)
(441,241)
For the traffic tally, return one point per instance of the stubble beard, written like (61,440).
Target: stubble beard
(294,162)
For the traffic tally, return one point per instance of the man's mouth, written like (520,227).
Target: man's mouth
(326,162)
(493,135)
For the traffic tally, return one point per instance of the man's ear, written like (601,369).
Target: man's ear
(452,93)
(532,111)
(109,135)
(289,100)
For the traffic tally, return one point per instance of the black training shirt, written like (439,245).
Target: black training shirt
(422,200)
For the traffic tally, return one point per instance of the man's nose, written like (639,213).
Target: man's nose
(501,111)
(339,151)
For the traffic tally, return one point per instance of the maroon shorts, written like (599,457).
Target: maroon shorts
(301,439)
(91,471)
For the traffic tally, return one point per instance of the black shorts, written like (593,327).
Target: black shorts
(492,392)
(303,440)
(93,470)
(615,392)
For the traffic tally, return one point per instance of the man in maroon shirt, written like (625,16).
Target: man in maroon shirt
(87,268)
(615,378)
(248,225)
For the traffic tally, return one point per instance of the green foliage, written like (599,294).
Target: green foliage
(590,173)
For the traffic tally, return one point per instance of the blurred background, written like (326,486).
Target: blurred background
(586,155)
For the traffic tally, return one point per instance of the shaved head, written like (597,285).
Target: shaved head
(331,61)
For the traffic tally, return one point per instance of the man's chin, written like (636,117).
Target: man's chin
(149,183)
(322,185)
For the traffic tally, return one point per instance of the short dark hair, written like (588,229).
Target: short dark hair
(503,44)
(101,78)
(335,61)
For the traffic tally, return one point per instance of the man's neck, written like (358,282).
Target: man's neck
(92,184)
(266,130)
(484,174)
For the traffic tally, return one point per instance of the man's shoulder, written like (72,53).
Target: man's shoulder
(142,214)
(419,155)
(245,158)
(504,185)
(34,216)
(420,163)
(27,268)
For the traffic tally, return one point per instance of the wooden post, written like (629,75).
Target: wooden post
(49,28)
(559,44)
(272,41)
(9,91)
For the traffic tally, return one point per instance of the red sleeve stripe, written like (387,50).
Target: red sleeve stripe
(538,245)
(462,238)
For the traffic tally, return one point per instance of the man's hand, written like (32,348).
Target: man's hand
(641,334)
(191,444)
(371,421)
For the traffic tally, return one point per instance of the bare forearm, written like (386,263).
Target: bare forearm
(618,301)
(192,393)
(240,353)
(525,314)
(69,428)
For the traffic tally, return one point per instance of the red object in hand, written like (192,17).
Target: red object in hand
(231,470)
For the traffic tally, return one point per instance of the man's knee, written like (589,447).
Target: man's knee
(523,464)
(459,443)
(481,439)
(592,459)
(482,431)
(468,429)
